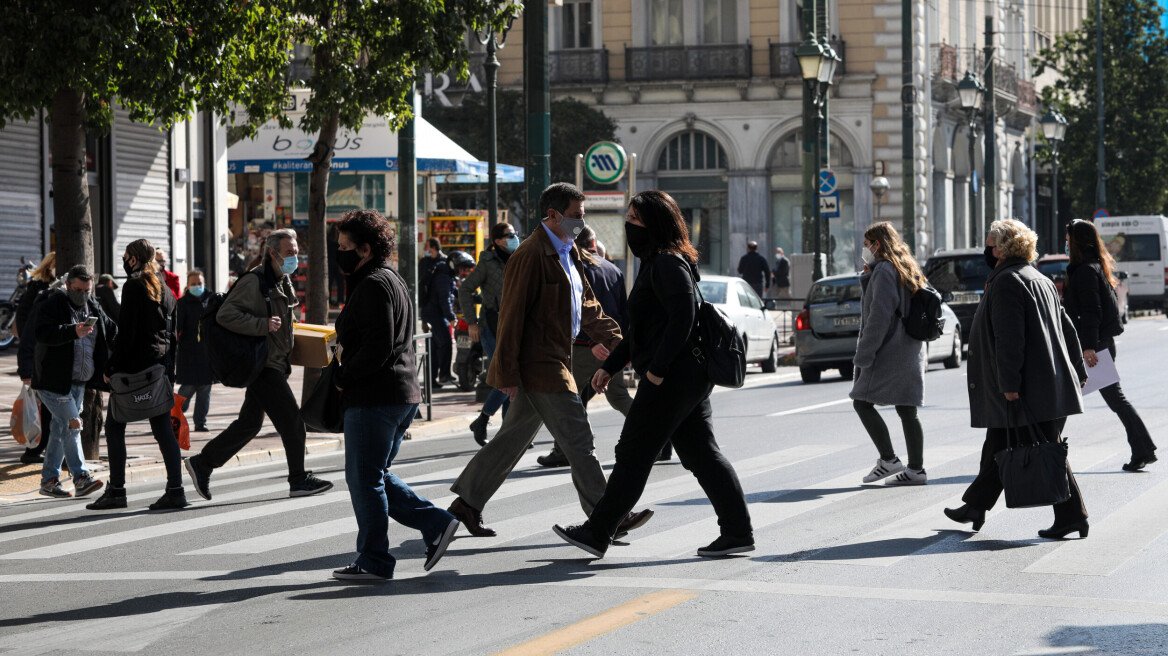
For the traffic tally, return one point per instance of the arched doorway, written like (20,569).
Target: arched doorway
(692,168)
(786,181)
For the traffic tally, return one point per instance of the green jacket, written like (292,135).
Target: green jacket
(246,312)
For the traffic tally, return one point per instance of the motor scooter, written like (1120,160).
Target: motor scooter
(8,308)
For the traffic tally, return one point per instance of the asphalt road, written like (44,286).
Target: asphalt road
(840,568)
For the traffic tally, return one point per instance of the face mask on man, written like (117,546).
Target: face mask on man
(989,257)
(289,265)
(77,297)
(571,226)
(196,290)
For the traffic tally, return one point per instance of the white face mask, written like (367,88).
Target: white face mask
(867,256)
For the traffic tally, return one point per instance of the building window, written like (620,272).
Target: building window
(576,25)
(719,21)
(692,151)
(665,22)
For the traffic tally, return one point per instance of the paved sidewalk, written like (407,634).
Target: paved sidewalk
(452,412)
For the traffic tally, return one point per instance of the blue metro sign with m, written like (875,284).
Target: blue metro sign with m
(605,162)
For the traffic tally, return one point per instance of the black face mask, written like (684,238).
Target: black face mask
(640,243)
(989,257)
(127,268)
(347,261)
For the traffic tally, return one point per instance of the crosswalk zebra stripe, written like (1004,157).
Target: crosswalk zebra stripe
(1114,540)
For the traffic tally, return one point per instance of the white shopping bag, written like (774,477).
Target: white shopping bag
(25,421)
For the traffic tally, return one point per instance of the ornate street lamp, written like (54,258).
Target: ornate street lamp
(972,92)
(493,43)
(817,63)
(1054,128)
(879,186)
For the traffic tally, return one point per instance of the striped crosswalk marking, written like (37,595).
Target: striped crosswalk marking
(1114,540)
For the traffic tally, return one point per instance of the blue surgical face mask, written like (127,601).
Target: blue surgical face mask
(289,265)
(512,244)
(1067,248)
(196,290)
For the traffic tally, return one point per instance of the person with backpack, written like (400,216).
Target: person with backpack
(889,362)
(1089,298)
(260,305)
(194,371)
(673,401)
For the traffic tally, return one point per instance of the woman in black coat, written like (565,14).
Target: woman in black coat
(1025,370)
(194,370)
(145,339)
(1089,297)
(673,401)
(38,281)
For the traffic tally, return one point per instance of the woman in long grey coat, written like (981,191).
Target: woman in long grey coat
(889,364)
(1025,369)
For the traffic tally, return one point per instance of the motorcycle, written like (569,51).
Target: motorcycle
(8,308)
(468,360)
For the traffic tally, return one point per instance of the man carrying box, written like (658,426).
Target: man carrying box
(245,312)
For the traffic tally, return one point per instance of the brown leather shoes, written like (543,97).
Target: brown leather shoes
(634,520)
(472,519)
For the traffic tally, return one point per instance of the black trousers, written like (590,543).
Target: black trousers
(984,491)
(163,430)
(270,395)
(441,348)
(1138,437)
(678,410)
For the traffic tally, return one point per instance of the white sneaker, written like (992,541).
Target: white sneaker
(884,469)
(909,476)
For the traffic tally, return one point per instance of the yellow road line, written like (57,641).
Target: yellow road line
(593,627)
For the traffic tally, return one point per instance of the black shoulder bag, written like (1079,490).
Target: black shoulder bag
(1033,470)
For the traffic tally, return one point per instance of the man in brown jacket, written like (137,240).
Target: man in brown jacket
(546,302)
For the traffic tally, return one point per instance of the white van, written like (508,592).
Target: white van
(1139,245)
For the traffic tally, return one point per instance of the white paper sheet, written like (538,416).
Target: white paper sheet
(1102,374)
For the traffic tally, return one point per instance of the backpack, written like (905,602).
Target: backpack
(717,344)
(923,321)
(235,359)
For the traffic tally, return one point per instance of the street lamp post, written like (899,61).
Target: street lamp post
(491,69)
(817,62)
(971,92)
(1054,128)
(879,186)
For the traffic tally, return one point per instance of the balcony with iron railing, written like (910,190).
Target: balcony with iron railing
(706,62)
(784,63)
(578,66)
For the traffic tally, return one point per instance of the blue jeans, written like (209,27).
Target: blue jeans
(372,438)
(496,398)
(64,442)
(202,394)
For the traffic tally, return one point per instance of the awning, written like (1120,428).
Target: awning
(373,148)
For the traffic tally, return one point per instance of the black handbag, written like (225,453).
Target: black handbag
(716,343)
(321,410)
(141,395)
(1033,469)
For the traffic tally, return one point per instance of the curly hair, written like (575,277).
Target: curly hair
(369,227)
(1014,240)
(893,249)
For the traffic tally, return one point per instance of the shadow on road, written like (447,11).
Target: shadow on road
(1127,639)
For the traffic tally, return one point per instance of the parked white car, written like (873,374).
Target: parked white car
(757,325)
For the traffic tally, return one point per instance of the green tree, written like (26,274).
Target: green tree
(158,59)
(1135,85)
(575,127)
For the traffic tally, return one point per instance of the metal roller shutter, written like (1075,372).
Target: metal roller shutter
(20,199)
(143,188)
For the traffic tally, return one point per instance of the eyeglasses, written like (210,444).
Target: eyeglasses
(507,234)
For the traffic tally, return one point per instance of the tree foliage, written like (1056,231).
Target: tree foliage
(1135,91)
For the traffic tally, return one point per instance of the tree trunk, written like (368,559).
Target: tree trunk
(92,422)
(317,292)
(72,221)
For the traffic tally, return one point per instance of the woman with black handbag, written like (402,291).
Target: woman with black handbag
(145,343)
(673,402)
(1025,371)
(1089,296)
(378,382)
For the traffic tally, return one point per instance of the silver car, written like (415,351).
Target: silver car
(734,297)
(829,325)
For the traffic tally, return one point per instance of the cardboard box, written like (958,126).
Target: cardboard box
(312,345)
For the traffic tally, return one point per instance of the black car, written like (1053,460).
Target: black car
(960,275)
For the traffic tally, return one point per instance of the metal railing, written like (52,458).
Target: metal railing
(578,66)
(784,63)
(1027,97)
(688,62)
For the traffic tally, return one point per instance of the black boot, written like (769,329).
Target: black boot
(174,499)
(967,515)
(113,497)
(478,428)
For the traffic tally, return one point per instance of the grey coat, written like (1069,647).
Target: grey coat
(246,312)
(1022,341)
(890,365)
(488,275)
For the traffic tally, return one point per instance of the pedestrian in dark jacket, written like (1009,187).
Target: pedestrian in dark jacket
(380,395)
(145,339)
(106,295)
(438,312)
(193,371)
(73,338)
(753,268)
(38,281)
(889,363)
(673,402)
(1089,296)
(1025,369)
(781,274)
